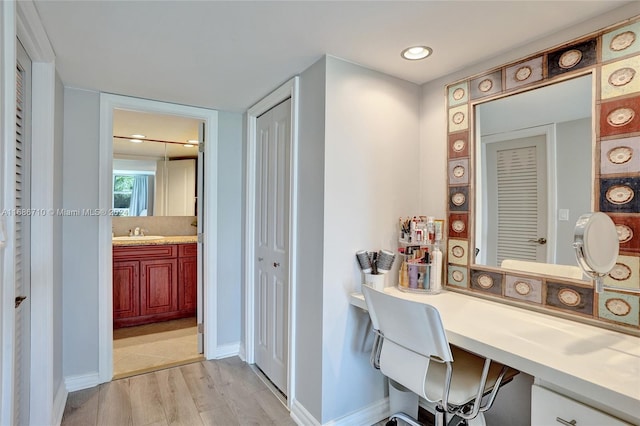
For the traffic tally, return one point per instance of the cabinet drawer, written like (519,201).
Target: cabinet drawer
(160,251)
(187,250)
(549,408)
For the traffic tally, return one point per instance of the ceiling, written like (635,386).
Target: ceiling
(174,130)
(227,55)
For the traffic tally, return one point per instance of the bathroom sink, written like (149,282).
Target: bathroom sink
(139,238)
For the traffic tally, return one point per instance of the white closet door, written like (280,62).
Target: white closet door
(22,264)
(272,247)
(517,171)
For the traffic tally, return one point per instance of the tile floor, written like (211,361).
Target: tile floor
(150,347)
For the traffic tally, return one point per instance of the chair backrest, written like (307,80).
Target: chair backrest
(413,332)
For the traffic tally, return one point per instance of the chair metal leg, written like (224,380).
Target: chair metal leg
(457,421)
(374,359)
(406,418)
(439,416)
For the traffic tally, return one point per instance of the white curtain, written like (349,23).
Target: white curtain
(139,196)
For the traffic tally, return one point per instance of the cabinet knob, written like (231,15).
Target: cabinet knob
(276,264)
(566,423)
(260,259)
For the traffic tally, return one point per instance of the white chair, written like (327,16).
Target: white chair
(411,348)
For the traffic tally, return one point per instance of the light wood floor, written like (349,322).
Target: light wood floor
(151,347)
(221,392)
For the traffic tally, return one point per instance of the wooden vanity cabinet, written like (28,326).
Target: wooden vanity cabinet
(188,276)
(158,286)
(126,289)
(153,283)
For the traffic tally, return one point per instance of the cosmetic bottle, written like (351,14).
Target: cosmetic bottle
(435,280)
(427,269)
(413,274)
(431,230)
(404,275)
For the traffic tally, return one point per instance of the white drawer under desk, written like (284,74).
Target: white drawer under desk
(549,408)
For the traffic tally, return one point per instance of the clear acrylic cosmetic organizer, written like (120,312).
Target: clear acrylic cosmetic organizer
(414,276)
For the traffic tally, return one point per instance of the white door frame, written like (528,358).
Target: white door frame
(210,220)
(21,19)
(287,90)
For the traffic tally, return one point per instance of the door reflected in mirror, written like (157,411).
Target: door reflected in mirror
(533,173)
(154,164)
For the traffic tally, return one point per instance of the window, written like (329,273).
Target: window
(122,189)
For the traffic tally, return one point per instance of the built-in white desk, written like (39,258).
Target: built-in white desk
(593,365)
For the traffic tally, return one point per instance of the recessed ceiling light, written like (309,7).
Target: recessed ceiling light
(138,136)
(135,140)
(415,53)
(188,145)
(193,141)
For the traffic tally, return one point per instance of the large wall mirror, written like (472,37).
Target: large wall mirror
(533,173)
(154,164)
(533,145)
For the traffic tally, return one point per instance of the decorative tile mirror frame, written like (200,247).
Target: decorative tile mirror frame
(612,57)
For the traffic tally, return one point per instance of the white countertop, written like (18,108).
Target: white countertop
(601,365)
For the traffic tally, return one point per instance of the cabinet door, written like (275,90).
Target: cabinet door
(159,286)
(126,289)
(188,282)
(550,408)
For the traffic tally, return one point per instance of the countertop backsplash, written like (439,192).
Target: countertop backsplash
(155,225)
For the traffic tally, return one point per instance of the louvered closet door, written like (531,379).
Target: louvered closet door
(22,238)
(517,177)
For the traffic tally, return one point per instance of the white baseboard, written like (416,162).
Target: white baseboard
(301,416)
(227,350)
(242,353)
(368,415)
(84,381)
(59,402)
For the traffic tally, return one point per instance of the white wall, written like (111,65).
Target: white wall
(309,290)
(574,181)
(80,233)
(230,191)
(371,179)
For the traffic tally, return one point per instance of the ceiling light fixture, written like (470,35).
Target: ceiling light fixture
(188,145)
(193,141)
(135,140)
(138,136)
(415,53)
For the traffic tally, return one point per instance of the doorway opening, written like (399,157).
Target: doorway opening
(157,244)
(154,222)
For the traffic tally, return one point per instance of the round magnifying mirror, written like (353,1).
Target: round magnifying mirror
(597,246)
